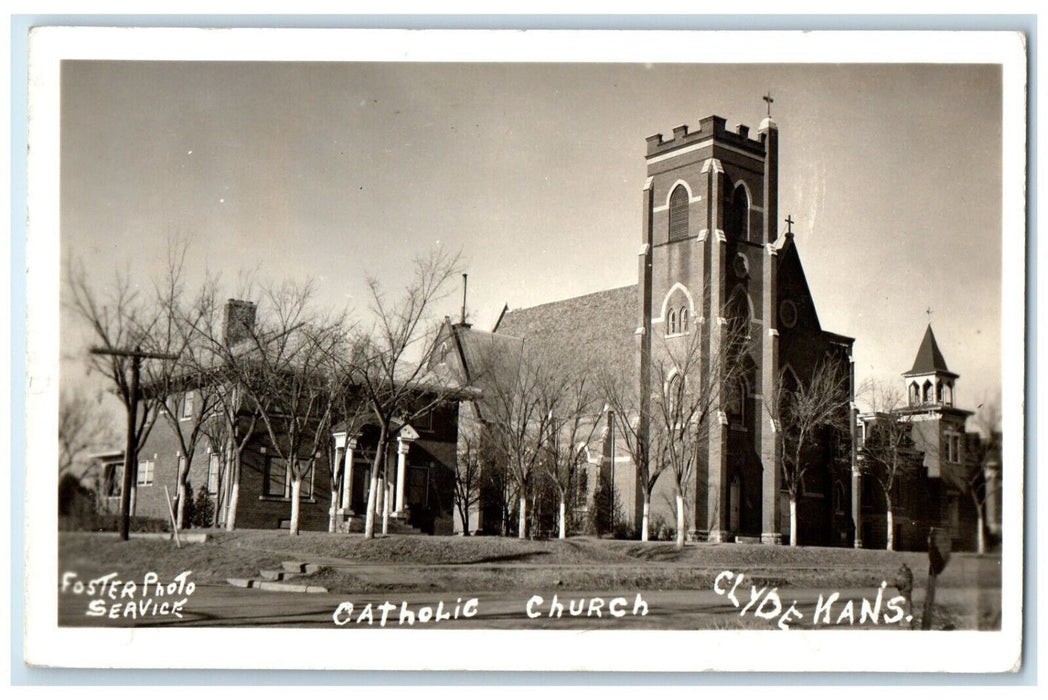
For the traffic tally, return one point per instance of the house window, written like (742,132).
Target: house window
(187,406)
(277,478)
(684,319)
(953,448)
(679,213)
(214,468)
(145,472)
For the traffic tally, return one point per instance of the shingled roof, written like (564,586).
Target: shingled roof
(586,333)
(929,358)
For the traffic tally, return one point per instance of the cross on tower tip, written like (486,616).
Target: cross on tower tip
(789,224)
(768,98)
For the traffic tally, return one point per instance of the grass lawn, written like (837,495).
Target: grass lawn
(419,563)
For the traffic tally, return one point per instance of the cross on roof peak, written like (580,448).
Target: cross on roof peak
(789,224)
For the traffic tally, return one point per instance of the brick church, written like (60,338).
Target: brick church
(711,251)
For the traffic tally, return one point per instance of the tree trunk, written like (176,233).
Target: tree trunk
(563,518)
(387,492)
(333,513)
(644,518)
(180,504)
(680,519)
(234,495)
(890,519)
(296,492)
(522,518)
(980,532)
(372,507)
(793,520)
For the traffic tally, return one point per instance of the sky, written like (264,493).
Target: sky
(340,171)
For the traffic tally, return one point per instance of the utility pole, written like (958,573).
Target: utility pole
(130,444)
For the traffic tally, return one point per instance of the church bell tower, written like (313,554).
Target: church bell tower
(708,256)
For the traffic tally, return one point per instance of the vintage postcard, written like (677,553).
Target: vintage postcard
(641,351)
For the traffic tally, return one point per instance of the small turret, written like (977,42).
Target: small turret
(930,382)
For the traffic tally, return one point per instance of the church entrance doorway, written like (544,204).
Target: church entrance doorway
(734,492)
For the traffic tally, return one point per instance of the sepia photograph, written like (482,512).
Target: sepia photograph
(706,340)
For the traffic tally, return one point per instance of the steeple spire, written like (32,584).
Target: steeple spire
(929,381)
(929,358)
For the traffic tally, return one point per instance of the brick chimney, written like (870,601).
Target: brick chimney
(239,321)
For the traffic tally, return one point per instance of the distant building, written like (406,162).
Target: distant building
(938,492)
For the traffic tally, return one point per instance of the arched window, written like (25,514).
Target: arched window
(738,214)
(672,322)
(736,403)
(938,391)
(679,213)
(948,398)
(675,395)
(684,319)
(839,497)
(915,394)
(926,393)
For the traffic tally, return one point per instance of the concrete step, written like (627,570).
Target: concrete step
(277,574)
(275,586)
(299,567)
(747,539)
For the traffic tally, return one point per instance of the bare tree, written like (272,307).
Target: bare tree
(469,470)
(226,347)
(391,371)
(573,416)
(82,423)
(983,463)
(689,387)
(519,424)
(621,391)
(188,387)
(292,383)
(123,325)
(889,456)
(351,410)
(801,412)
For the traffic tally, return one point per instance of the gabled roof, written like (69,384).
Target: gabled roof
(929,358)
(591,332)
(486,359)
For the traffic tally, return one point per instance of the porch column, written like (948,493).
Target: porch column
(402,462)
(347,477)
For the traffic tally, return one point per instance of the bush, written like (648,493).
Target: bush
(659,529)
(203,510)
(73,498)
(603,507)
